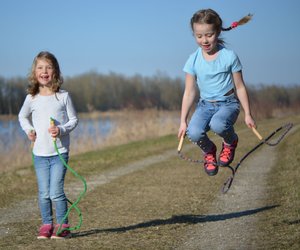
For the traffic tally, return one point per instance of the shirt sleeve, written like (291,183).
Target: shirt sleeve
(189,65)
(25,115)
(72,117)
(236,64)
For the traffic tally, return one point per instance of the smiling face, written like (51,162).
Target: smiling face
(206,37)
(44,72)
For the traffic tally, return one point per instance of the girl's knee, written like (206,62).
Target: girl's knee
(219,128)
(44,195)
(57,197)
(195,135)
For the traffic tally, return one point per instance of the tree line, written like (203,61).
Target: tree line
(98,92)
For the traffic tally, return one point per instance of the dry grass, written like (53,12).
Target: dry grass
(130,126)
(157,208)
(281,227)
(149,209)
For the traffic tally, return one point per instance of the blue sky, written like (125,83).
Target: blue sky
(146,36)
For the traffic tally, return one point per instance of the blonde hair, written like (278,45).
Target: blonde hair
(33,87)
(209,16)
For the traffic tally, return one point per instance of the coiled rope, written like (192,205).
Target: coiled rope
(74,204)
(82,193)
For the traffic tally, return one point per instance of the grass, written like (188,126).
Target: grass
(281,227)
(111,157)
(129,126)
(156,208)
(22,183)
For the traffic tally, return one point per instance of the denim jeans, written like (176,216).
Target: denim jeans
(50,173)
(217,116)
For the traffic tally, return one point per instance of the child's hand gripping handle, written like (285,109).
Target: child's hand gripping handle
(52,124)
(32,132)
(257,134)
(180,143)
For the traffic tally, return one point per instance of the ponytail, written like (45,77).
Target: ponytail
(244,20)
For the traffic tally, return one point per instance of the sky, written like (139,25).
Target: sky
(147,37)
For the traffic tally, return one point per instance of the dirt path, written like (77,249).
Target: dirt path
(230,223)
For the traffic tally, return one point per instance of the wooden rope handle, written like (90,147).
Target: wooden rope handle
(180,143)
(52,124)
(32,142)
(257,134)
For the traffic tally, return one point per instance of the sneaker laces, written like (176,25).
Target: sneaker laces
(210,161)
(226,152)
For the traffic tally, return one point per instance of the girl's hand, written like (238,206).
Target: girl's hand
(54,131)
(249,121)
(182,129)
(31,135)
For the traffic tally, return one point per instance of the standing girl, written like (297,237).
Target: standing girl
(218,73)
(45,100)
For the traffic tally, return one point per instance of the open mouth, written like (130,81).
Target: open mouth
(206,47)
(44,77)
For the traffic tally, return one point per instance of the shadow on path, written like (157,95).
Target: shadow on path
(176,219)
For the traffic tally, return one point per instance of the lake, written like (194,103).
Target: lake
(11,132)
(93,132)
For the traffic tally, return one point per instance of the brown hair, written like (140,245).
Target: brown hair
(33,87)
(209,16)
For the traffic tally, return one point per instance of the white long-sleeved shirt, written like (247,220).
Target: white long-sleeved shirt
(35,115)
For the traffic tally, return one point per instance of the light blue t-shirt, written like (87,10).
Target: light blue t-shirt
(214,78)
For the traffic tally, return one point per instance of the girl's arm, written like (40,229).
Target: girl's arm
(242,94)
(187,102)
(24,119)
(73,120)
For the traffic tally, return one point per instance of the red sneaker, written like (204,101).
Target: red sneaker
(227,154)
(64,234)
(210,163)
(45,231)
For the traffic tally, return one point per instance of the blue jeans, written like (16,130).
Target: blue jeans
(50,173)
(216,116)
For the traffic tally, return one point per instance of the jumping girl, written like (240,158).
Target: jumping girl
(45,100)
(218,74)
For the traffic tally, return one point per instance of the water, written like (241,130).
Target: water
(11,132)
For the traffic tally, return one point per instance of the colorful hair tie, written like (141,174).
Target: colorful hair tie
(244,20)
(234,25)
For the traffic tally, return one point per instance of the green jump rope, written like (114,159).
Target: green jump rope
(82,193)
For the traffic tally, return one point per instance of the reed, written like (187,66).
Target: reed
(129,125)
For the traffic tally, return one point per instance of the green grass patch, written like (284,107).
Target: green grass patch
(281,227)
(112,157)
(21,183)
